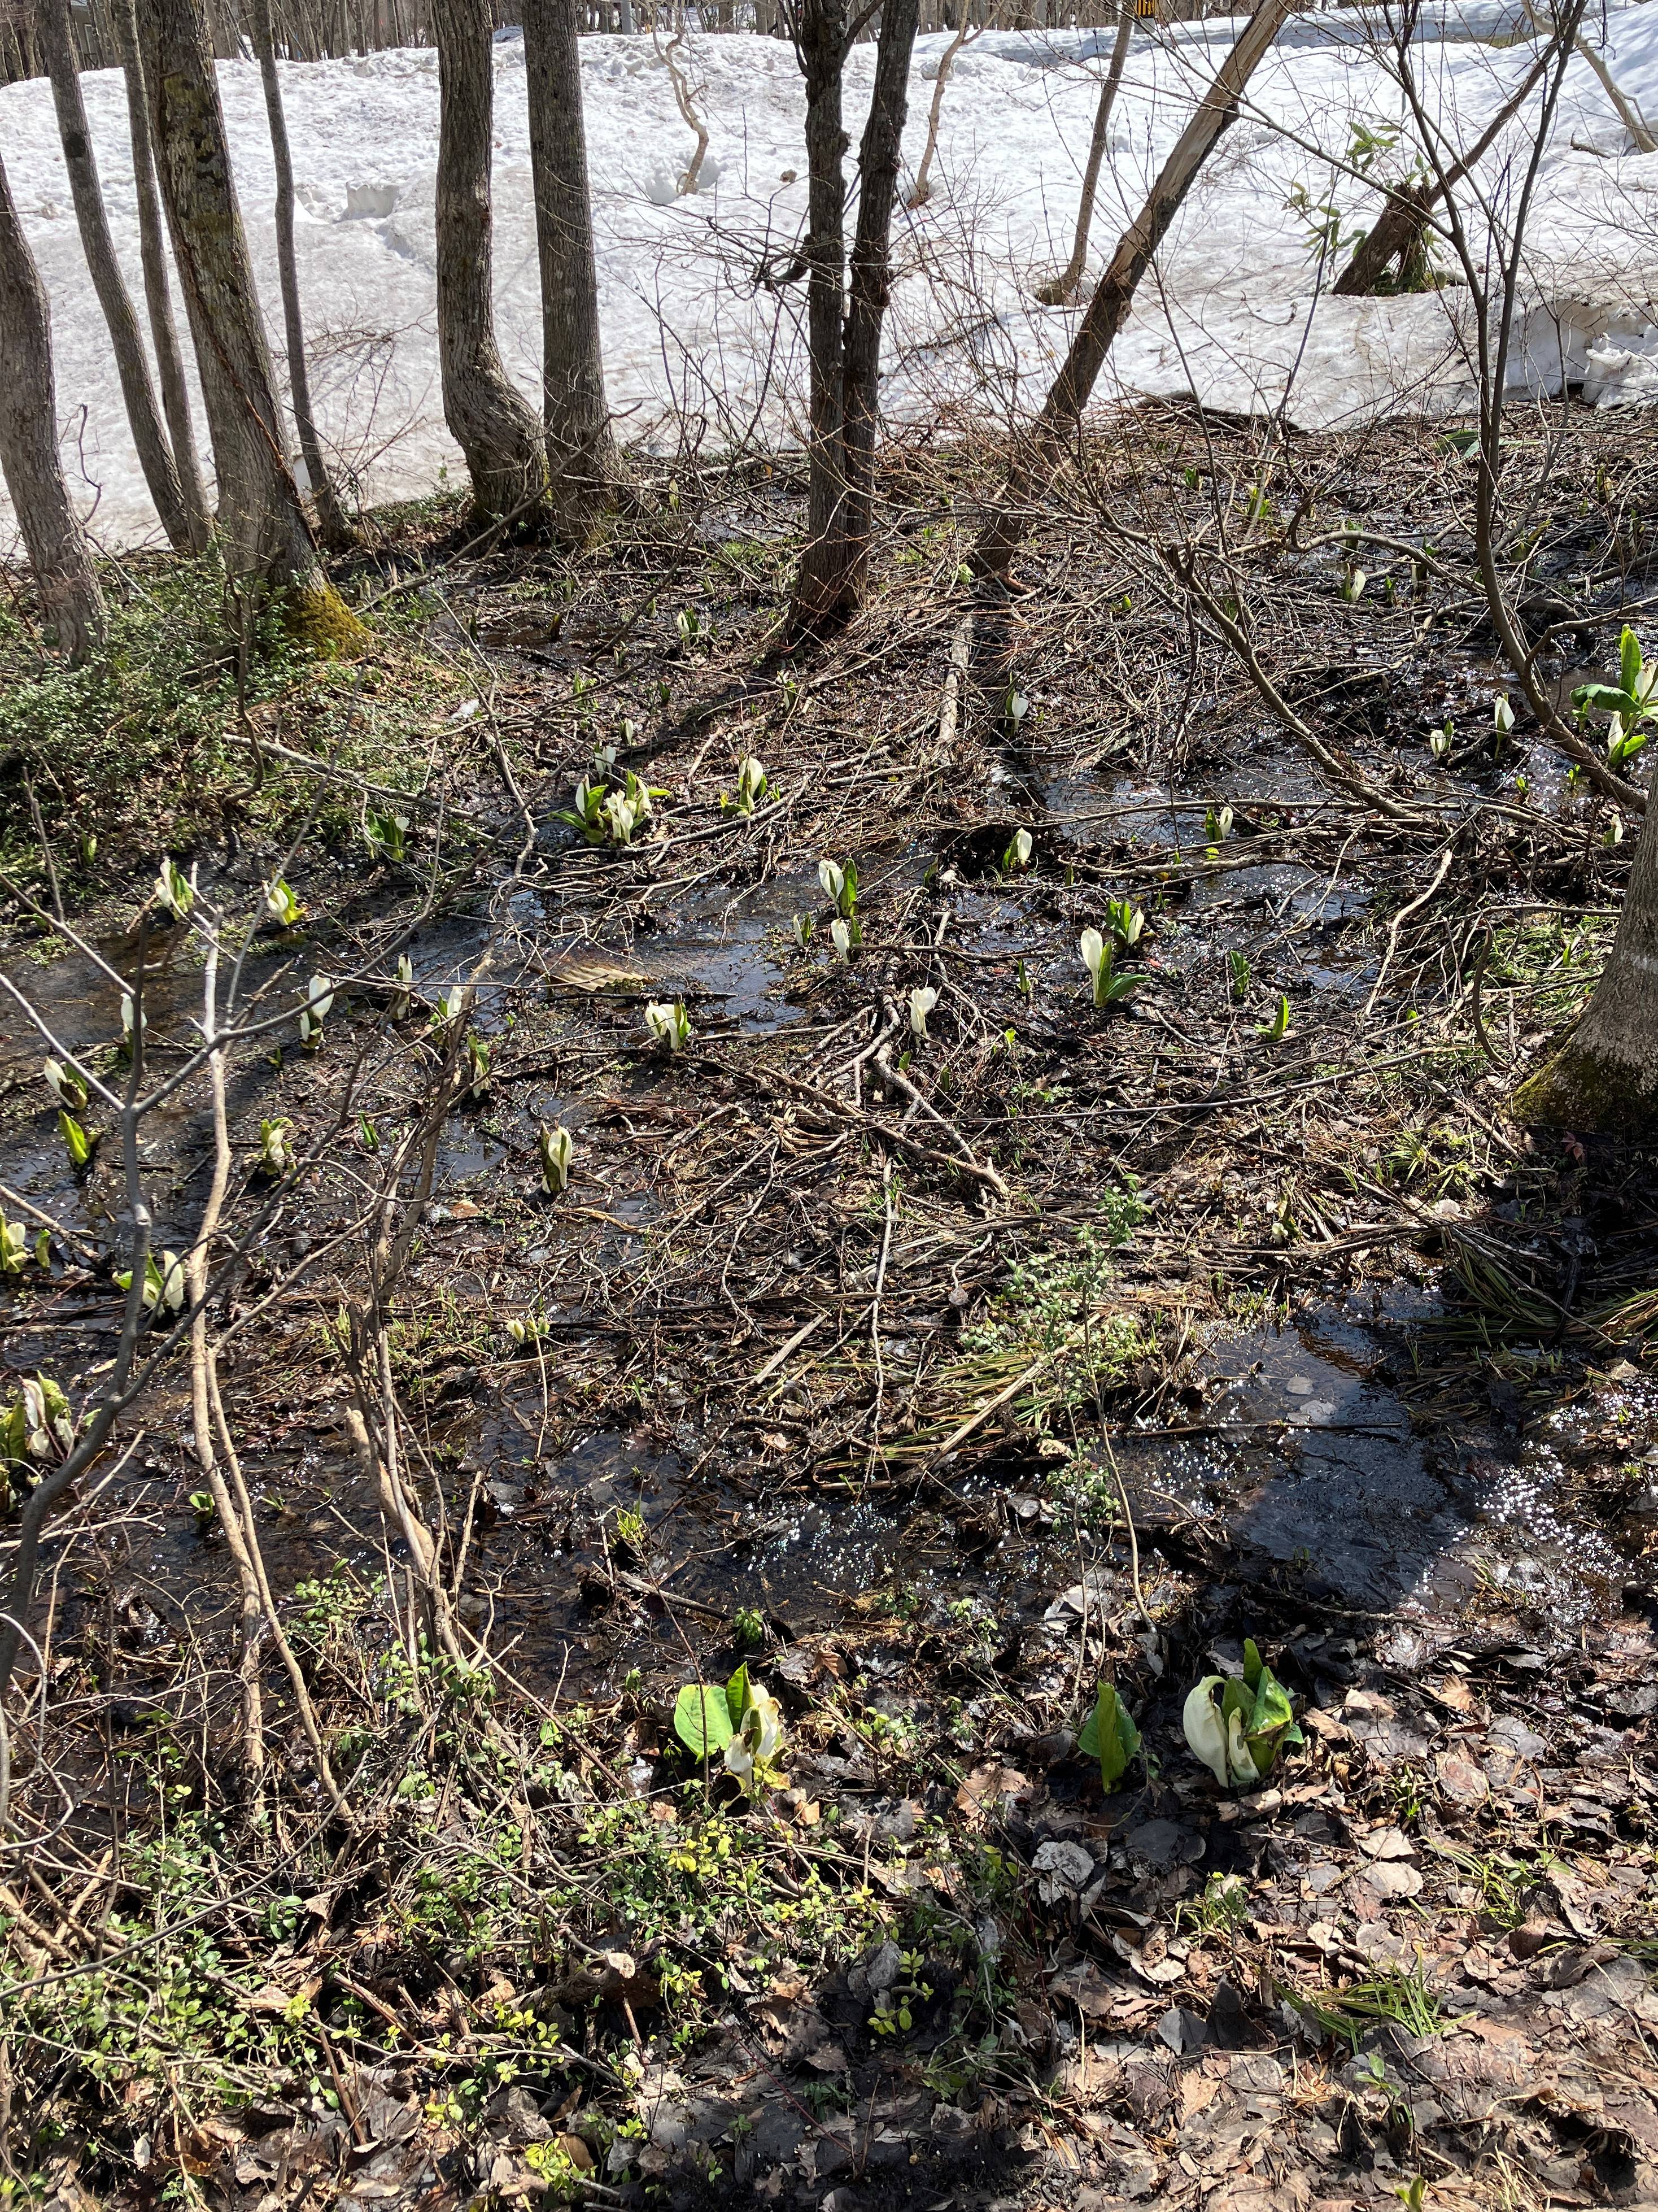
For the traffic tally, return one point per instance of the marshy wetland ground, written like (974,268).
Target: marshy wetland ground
(934,1357)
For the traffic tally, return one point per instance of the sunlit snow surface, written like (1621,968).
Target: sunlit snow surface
(696,349)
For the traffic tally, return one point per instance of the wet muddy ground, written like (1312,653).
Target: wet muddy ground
(939,1374)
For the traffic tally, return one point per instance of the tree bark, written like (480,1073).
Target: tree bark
(582,461)
(70,601)
(1062,411)
(1064,286)
(154,455)
(262,519)
(158,298)
(821,42)
(502,438)
(336,531)
(1605,1078)
(870,290)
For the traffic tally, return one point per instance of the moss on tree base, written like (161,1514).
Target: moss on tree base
(1583,1089)
(317,615)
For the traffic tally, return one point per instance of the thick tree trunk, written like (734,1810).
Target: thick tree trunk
(70,601)
(158,298)
(1605,1078)
(1062,411)
(261,519)
(1064,286)
(582,456)
(872,289)
(337,533)
(154,455)
(502,438)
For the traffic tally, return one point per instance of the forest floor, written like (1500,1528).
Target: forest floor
(935,1370)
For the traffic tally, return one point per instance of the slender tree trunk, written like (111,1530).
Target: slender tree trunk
(158,298)
(154,455)
(262,517)
(1605,1078)
(1062,411)
(844,331)
(1064,287)
(871,287)
(502,438)
(922,191)
(821,42)
(336,532)
(582,455)
(70,601)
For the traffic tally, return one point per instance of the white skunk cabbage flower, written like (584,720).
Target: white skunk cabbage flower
(758,1741)
(922,1001)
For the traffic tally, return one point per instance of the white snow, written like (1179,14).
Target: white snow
(696,351)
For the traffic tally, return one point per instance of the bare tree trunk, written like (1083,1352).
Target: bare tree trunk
(1062,411)
(821,40)
(502,438)
(154,456)
(64,575)
(1605,1076)
(336,532)
(158,298)
(262,517)
(872,289)
(922,191)
(582,455)
(1065,286)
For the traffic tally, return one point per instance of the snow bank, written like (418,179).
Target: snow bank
(698,348)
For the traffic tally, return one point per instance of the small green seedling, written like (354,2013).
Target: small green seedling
(1631,703)
(748,1626)
(76,1141)
(1278,1028)
(172,892)
(201,1504)
(558,1149)
(1237,966)
(668,1024)
(1237,1728)
(1109,1735)
(922,999)
(387,835)
(525,1332)
(368,1137)
(478,1069)
(281,905)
